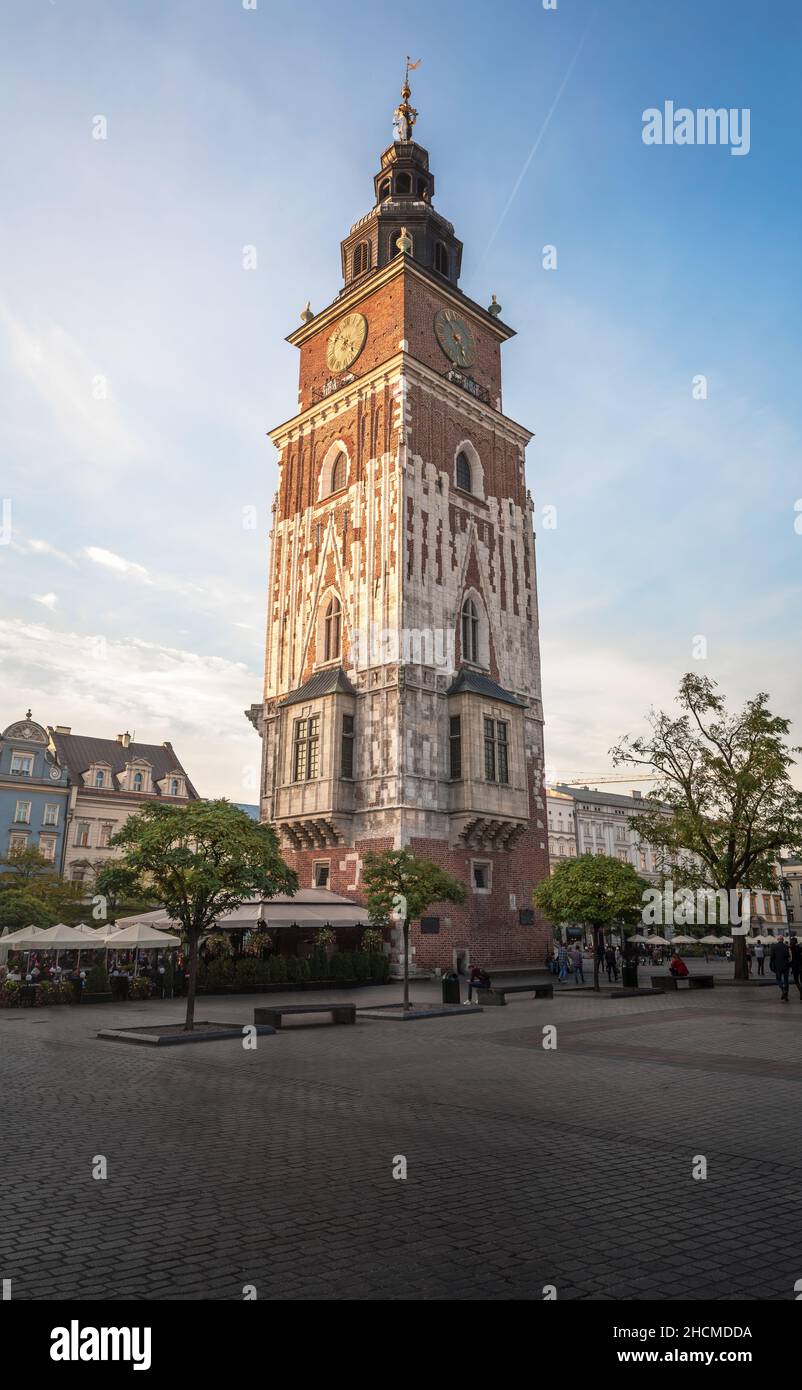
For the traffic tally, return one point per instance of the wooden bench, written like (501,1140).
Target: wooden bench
(674,981)
(543,989)
(272,1013)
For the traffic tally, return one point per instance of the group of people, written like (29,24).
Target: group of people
(785,961)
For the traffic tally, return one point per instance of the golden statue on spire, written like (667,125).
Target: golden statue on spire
(405,116)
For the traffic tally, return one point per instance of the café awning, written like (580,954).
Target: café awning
(309,907)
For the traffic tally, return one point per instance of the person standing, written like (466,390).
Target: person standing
(576,962)
(760,957)
(796,963)
(562,963)
(780,961)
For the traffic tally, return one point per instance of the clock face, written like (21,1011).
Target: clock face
(454,337)
(346,342)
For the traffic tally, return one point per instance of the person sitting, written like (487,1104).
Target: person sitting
(478,979)
(678,968)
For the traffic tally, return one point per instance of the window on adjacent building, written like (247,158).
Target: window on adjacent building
(497,763)
(470,631)
(82,833)
(139,781)
(100,778)
(18,841)
(77,875)
(47,847)
(441,258)
(331,630)
(51,814)
(464,473)
(21,764)
(174,786)
(347,747)
(306,749)
(105,834)
(361,257)
(455,746)
(22,812)
(322,874)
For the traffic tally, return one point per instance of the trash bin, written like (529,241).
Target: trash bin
(629,972)
(451,987)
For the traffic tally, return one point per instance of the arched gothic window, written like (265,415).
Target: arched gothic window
(470,631)
(361,257)
(441,258)
(138,780)
(464,473)
(331,629)
(384,191)
(338,471)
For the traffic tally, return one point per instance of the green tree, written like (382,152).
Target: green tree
(724,780)
(22,909)
(395,882)
(199,861)
(595,889)
(26,869)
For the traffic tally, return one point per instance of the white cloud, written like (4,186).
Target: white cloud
(47,600)
(162,693)
(129,568)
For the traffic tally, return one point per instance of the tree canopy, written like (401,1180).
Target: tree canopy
(593,889)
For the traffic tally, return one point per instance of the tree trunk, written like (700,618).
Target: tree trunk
(193,972)
(597,940)
(406,963)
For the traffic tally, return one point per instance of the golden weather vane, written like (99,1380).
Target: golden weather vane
(405,116)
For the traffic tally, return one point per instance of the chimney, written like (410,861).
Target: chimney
(636,796)
(62,728)
(125,739)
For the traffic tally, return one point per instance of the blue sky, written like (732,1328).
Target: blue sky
(132,597)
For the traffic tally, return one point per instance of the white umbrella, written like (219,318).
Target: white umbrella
(657,941)
(683,941)
(710,940)
(639,940)
(141,935)
(15,939)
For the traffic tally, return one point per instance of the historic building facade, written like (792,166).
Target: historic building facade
(402,702)
(34,792)
(110,778)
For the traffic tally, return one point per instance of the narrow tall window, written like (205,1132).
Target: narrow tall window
(51,814)
(384,191)
(338,472)
(138,781)
(455,746)
(82,834)
(331,630)
(99,779)
(347,747)
(174,787)
(502,758)
(403,183)
(441,258)
(306,749)
(21,765)
(22,814)
(470,631)
(464,475)
(490,751)
(361,257)
(497,763)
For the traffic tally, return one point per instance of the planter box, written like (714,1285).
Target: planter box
(87,998)
(282,987)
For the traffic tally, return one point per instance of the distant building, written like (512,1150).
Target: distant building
(34,791)
(602,827)
(110,778)
(791,870)
(561,824)
(253,811)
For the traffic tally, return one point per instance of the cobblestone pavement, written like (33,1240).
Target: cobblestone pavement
(526,1166)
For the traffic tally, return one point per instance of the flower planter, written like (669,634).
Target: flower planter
(87,998)
(285,986)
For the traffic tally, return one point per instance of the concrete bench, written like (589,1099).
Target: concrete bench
(272,1013)
(498,993)
(674,981)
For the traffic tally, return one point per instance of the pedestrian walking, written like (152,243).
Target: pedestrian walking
(780,961)
(796,963)
(760,957)
(612,966)
(576,962)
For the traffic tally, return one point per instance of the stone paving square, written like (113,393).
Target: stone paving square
(525,1166)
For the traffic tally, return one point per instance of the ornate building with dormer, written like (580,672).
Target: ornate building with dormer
(402,701)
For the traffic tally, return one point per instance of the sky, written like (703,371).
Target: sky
(141,363)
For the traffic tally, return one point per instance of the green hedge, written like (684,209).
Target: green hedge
(341,965)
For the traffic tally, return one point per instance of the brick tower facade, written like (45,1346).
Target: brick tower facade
(402,701)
